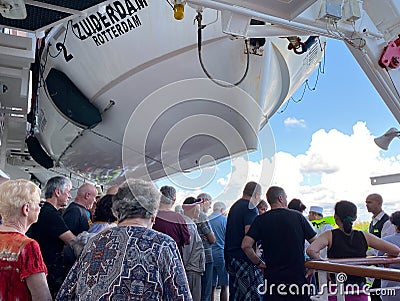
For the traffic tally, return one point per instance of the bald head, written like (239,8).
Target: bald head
(374,203)
(85,188)
(86,195)
(376,197)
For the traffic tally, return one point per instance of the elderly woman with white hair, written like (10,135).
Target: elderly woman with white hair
(22,269)
(130,261)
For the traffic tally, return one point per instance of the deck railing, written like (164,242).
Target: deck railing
(356,267)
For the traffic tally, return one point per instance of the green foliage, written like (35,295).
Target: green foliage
(363,226)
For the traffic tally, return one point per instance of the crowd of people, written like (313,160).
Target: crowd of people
(136,243)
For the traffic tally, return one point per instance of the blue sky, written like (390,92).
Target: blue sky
(342,97)
(324,149)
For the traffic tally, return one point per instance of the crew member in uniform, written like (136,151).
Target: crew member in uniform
(380,226)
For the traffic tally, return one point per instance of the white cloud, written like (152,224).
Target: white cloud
(341,163)
(336,167)
(294,122)
(242,171)
(223,181)
(344,163)
(182,194)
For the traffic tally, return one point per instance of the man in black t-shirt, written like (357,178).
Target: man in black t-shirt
(51,232)
(77,214)
(77,217)
(244,276)
(282,233)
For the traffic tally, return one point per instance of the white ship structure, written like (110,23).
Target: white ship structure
(104,89)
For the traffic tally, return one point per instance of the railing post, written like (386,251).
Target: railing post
(340,289)
(322,289)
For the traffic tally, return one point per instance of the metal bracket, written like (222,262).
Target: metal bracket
(235,24)
(390,57)
(386,179)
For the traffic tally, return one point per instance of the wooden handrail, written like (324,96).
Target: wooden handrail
(355,266)
(370,260)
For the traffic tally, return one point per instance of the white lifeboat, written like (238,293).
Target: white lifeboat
(122,90)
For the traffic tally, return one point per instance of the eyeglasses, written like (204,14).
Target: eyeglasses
(40,204)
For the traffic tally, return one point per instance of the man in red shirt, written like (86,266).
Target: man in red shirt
(170,222)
